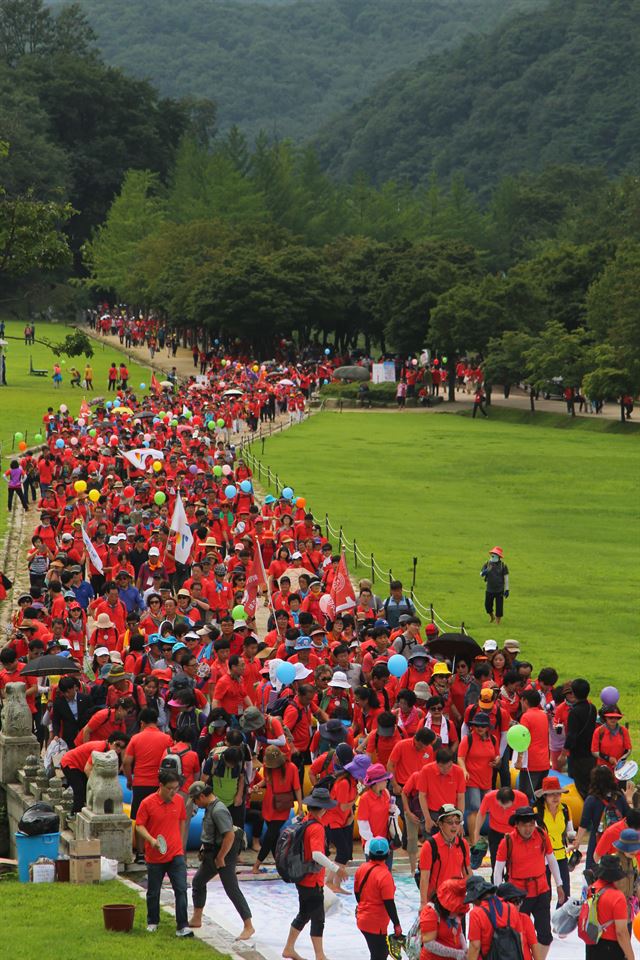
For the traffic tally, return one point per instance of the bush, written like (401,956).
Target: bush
(379,394)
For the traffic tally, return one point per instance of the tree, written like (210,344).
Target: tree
(559,356)
(613,308)
(610,377)
(505,361)
(31,236)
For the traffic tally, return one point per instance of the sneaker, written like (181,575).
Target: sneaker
(184,932)
(139,858)
(152,928)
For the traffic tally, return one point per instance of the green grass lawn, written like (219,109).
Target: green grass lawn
(562,503)
(24,401)
(55,919)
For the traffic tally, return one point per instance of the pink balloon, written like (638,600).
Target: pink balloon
(226,469)
(74,441)
(100,441)
(326,605)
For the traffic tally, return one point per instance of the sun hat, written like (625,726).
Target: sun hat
(161,673)
(114,655)
(550,785)
(197,788)
(441,670)
(612,712)
(240,625)
(342,756)
(301,672)
(521,815)
(303,643)
(451,894)
(478,889)
(431,630)
(116,673)
(512,646)
(339,679)
(103,621)
(101,652)
(422,690)
(479,720)
(509,891)
(358,766)
(183,592)
(490,646)
(179,645)
(274,758)
(628,842)
(378,847)
(376,774)
(154,552)
(381,623)
(610,869)
(498,551)
(485,698)
(419,653)
(318,799)
(251,719)
(448,810)
(333,731)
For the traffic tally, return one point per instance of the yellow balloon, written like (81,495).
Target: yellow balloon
(94,496)
(80,486)
(255,368)
(157,466)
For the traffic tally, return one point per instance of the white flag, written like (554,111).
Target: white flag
(91,550)
(138,458)
(179,525)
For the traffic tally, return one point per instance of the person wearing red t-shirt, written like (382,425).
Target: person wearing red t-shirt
(612,912)
(487,914)
(441,921)
(76,763)
(439,783)
(444,855)
(499,805)
(511,894)
(297,719)
(141,762)
(339,821)
(230,691)
(282,789)
(526,852)
(105,722)
(611,742)
(535,762)
(159,826)
(375,891)
(375,805)
(478,755)
(380,743)
(310,888)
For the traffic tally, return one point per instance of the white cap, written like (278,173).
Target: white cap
(301,672)
(239,624)
(113,540)
(489,646)
(115,656)
(67,536)
(154,552)
(121,536)
(296,556)
(101,652)
(339,679)
(64,643)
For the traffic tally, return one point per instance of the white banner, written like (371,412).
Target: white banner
(138,458)
(91,550)
(383,373)
(179,525)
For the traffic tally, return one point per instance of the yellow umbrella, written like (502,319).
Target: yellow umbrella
(122,410)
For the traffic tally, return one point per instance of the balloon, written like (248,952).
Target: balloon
(113,440)
(245,486)
(219,422)
(116,404)
(286,674)
(129,492)
(326,604)
(22,445)
(143,386)
(73,441)
(223,363)
(193,469)
(239,612)
(211,424)
(63,408)
(230,492)
(19,436)
(518,738)
(174,422)
(187,414)
(609,696)
(38,437)
(159,497)
(226,470)
(398,665)
(147,437)
(217,471)
(301,502)
(287,493)
(94,496)
(60,443)
(108,404)
(636,926)
(100,441)
(81,421)
(327,352)
(157,466)
(80,486)
(444,359)
(255,368)
(161,414)
(92,432)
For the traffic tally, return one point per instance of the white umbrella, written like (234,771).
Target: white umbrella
(286,383)
(232,393)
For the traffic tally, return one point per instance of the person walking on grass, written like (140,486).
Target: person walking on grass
(479,402)
(495,573)
(15,477)
(159,824)
(220,844)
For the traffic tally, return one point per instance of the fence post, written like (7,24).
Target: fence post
(355,553)
(340,540)
(259,470)
(263,446)
(326,525)
(431,612)
(390,579)
(277,484)
(373,570)
(270,428)
(269,475)
(413,581)
(462,629)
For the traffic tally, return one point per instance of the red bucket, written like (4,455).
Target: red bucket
(119,917)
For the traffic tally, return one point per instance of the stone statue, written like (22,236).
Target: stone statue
(104,793)
(16,716)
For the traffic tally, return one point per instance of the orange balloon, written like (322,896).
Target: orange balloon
(636,926)
(22,445)
(301,502)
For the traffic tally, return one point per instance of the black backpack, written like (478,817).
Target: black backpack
(289,855)
(505,942)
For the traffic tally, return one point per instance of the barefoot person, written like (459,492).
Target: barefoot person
(219,848)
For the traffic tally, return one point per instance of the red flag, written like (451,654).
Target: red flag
(256,580)
(154,383)
(342,592)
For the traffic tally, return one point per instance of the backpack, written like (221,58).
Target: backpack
(610,815)
(279,706)
(179,684)
(505,942)
(589,929)
(173,762)
(289,855)
(435,854)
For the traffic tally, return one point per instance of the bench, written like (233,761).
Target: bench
(33,372)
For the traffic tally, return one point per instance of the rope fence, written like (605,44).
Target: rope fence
(270,478)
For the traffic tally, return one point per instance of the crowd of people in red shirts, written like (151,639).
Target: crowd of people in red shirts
(209,708)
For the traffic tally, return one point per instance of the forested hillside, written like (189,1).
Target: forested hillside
(282,67)
(558,85)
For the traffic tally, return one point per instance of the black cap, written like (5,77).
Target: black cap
(478,889)
(521,814)
(509,891)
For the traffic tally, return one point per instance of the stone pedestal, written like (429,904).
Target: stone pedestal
(113,830)
(14,751)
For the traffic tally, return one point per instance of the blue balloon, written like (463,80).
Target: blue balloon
(397,665)
(108,404)
(145,443)
(143,386)
(287,493)
(327,352)
(230,492)
(286,673)
(60,443)
(245,486)
(116,403)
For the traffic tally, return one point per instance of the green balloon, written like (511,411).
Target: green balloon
(239,612)
(174,422)
(519,738)
(92,433)
(38,438)
(187,414)
(18,435)
(211,424)
(159,497)
(217,471)
(220,422)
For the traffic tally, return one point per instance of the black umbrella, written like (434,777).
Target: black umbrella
(450,645)
(50,665)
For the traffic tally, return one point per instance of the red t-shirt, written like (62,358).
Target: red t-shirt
(103,723)
(441,788)
(481,928)
(375,810)
(314,839)
(528,934)
(371,913)
(230,694)
(478,758)
(297,719)
(162,819)
(407,759)
(280,780)
(380,748)
(536,721)
(78,758)
(447,935)
(611,744)
(147,749)
(499,816)
(344,790)
(612,906)
(450,864)
(527,865)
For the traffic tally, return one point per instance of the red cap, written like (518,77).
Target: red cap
(497,550)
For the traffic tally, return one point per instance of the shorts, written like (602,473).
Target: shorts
(137,796)
(473,798)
